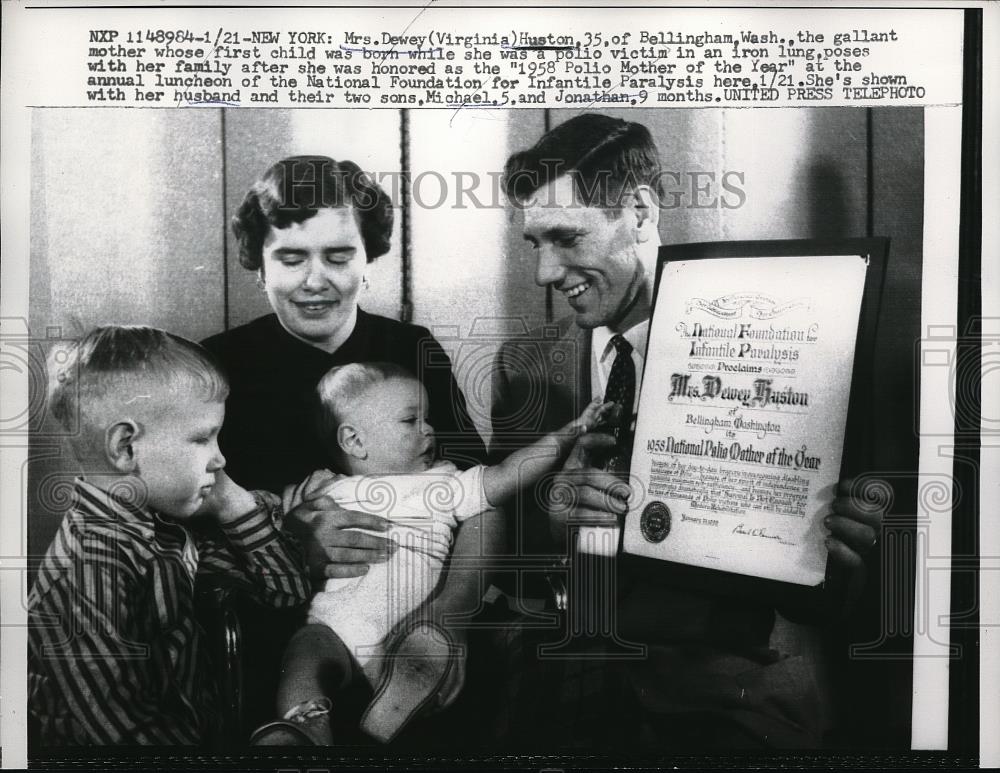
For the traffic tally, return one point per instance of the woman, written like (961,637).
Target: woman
(309,227)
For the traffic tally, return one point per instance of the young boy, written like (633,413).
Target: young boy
(114,651)
(373,419)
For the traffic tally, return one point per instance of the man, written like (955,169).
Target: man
(669,669)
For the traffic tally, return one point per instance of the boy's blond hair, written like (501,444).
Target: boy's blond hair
(125,369)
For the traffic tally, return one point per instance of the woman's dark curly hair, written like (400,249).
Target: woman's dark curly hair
(296,188)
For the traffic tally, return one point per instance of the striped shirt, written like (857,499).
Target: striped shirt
(114,653)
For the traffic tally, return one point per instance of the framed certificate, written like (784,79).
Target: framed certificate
(753,405)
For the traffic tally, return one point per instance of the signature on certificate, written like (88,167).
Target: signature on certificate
(758,531)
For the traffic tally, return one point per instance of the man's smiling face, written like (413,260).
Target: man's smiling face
(588,254)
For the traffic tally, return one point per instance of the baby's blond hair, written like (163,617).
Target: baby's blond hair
(341,386)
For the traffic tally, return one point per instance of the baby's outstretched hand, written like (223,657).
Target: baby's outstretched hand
(598,413)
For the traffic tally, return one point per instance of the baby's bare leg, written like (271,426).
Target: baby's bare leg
(316,663)
(315,667)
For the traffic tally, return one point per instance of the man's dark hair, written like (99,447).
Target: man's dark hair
(296,188)
(606,158)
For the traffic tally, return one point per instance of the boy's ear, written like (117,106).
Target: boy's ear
(118,445)
(351,441)
(646,205)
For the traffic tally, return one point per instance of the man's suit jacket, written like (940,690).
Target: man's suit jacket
(541,382)
(705,653)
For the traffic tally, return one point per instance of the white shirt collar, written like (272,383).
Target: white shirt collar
(636,335)
(602,355)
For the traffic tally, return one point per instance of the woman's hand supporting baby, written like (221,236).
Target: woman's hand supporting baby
(327,532)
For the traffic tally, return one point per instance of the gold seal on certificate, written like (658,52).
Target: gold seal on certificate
(655,522)
(742,412)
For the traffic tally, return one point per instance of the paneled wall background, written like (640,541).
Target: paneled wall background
(131,208)
(130,217)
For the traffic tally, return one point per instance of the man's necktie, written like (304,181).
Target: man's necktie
(621,390)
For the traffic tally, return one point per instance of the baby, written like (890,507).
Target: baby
(374,423)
